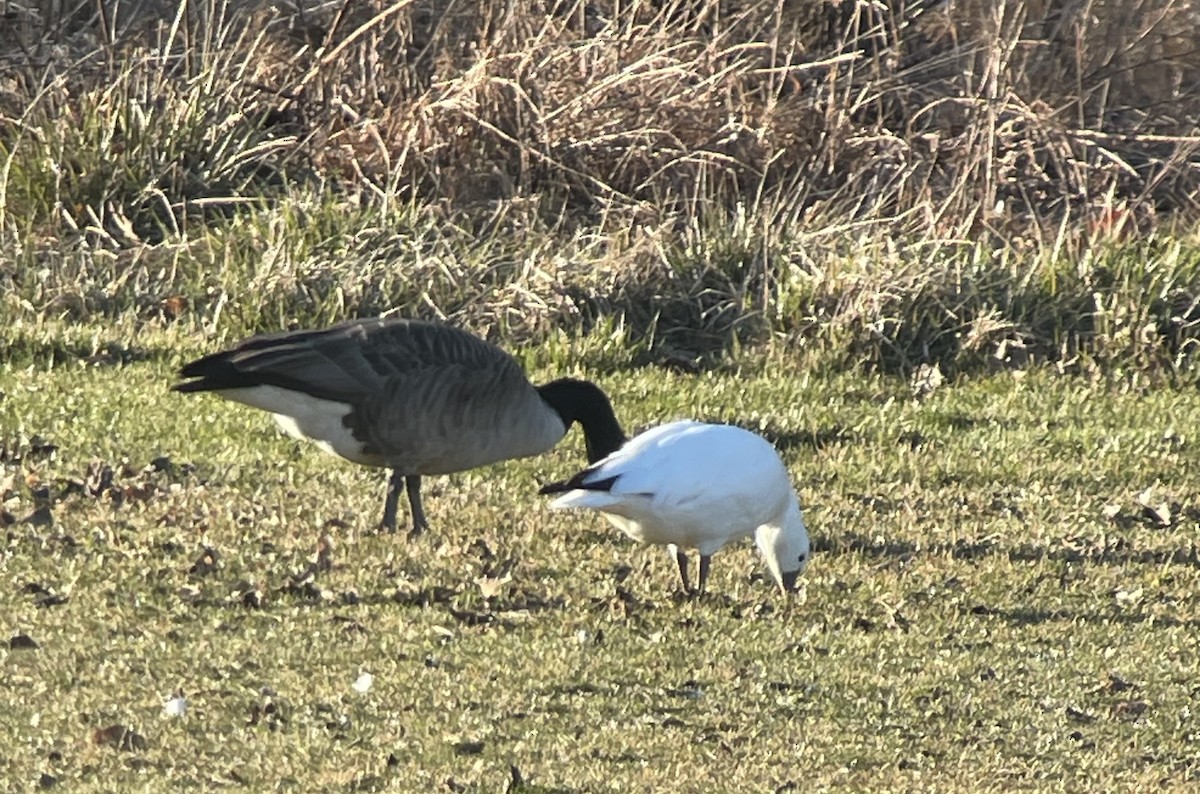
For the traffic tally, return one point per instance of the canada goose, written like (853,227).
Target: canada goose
(695,485)
(416,397)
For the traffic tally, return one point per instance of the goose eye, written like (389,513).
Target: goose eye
(802,557)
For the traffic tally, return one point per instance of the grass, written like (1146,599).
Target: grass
(801,217)
(1003,597)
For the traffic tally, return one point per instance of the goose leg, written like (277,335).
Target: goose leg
(390,504)
(681,560)
(705,559)
(414,501)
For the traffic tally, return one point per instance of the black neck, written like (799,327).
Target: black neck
(583,402)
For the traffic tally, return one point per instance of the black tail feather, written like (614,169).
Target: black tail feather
(555,487)
(215,372)
(220,371)
(577,483)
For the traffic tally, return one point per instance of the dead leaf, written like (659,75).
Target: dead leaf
(174,307)
(1128,595)
(1158,512)
(41,517)
(190,593)
(468,747)
(324,556)
(139,492)
(491,586)
(206,563)
(121,737)
(22,642)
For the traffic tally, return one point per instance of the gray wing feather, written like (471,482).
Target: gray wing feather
(359,361)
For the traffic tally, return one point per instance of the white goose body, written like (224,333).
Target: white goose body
(416,397)
(699,486)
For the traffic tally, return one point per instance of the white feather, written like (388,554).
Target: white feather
(303,416)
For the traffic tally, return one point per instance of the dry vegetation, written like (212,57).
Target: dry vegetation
(891,182)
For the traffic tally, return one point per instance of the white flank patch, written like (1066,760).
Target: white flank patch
(305,417)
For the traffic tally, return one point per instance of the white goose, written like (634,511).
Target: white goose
(694,485)
(416,397)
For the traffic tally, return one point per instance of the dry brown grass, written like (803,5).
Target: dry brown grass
(951,117)
(918,180)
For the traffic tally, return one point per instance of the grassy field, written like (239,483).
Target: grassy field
(944,255)
(1004,595)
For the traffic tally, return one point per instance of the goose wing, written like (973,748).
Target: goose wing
(683,467)
(349,363)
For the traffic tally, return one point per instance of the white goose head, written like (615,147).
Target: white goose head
(785,546)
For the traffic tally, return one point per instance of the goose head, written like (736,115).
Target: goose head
(784,546)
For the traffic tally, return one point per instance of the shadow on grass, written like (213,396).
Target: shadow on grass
(787,440)
(1117,553)
(1033,616)
(23,349)
(465,608)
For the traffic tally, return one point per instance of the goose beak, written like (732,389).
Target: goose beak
(787,581)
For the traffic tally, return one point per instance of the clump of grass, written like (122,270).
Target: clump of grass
(130,144)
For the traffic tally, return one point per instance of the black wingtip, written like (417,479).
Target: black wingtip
(555,487)
(577,483)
